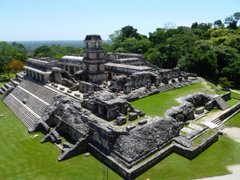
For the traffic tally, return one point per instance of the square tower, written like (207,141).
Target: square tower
(93,59)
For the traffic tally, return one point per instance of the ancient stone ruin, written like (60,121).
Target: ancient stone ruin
(86,100)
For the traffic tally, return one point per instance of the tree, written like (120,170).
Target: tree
(6,55)
(158,36)
(129,32)
(129,40)
(43,51)
(236,16)
(194,25)
(232,21)
(201,61)
(133,45)
(225,83)
(218,24)
(15,65)
(155,57)
(56,51)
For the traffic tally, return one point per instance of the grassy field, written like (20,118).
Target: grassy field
(235,94)
(234,122)
(156,105)
(212,162)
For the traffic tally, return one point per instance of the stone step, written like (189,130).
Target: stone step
(27,118)
(1,92)
(4,88)
(32,102)
(14,82)
(221,127)
(221,103)
(7,85)
(43,93)
(217,121)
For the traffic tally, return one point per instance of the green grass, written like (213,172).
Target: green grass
(199,139)
(4,79)
(235,94)
(24,157)
(234,122)
(232,102)
(156,105)
(212,162)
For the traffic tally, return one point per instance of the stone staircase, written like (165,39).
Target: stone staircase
(33,102)
(5,87)
(221,104)
(28,118)
(38,90)
(12,83)
(28,101)
(219,125)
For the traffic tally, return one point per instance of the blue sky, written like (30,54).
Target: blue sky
(73,19)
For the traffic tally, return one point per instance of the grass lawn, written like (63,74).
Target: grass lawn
(235,94)
(234,122)
(212,162)
(232,102)
(156,105)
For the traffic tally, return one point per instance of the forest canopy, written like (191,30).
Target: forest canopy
(212,50)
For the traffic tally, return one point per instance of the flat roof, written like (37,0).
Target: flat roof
(37,70)
(77,58)
(126,66)
(43,61)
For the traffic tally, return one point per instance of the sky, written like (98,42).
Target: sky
(25,20)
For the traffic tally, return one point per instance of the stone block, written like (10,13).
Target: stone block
(24,101)
(144,121)
(199,110)
(141,114)
(77,94)
(130,127)
(209,105)
(132,116)
(121,120)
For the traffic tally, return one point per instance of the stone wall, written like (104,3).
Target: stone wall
(192,152)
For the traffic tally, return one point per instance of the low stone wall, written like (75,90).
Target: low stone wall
(226,96)
(230,112)
(168,87)
(191,153)
(136,170)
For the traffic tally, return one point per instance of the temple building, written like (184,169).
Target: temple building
(93,59)
(39,69)
(71,64)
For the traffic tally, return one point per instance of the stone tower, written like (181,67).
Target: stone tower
(93,59)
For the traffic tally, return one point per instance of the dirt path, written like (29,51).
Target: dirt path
(234,169)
